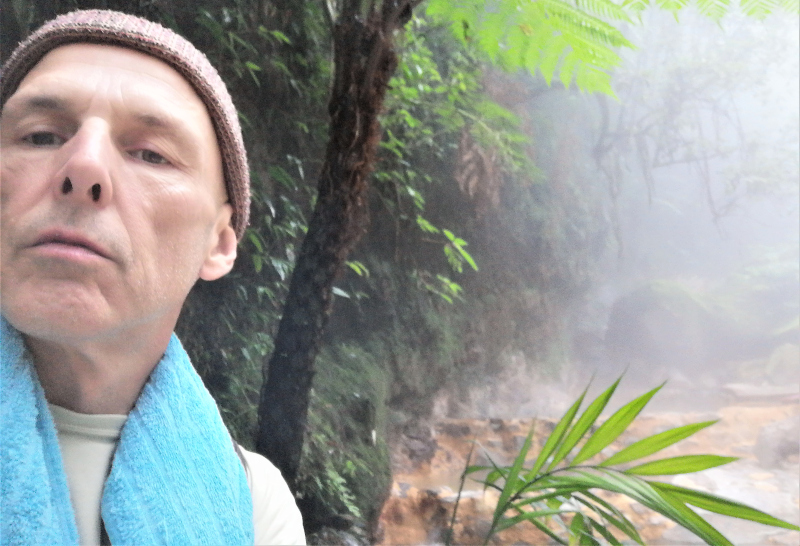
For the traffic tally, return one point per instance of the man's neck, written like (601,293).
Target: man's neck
(95,378)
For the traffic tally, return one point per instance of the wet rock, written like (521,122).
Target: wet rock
(455,430)
(778,441)
(420,450)
(413,514)
(418,443)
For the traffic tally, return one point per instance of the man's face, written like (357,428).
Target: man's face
(112,201)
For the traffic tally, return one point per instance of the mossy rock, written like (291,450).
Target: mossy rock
(664,325)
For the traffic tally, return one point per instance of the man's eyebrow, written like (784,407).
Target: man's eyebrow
(43,102)
(46,102)
(162,123)
(154,121)
(57,104)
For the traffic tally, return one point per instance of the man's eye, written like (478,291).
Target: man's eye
(44,138)
(149,156)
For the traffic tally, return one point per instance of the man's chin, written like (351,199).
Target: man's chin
(56,319)
(55,329)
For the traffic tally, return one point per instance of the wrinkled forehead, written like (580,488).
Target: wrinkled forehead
(69,69)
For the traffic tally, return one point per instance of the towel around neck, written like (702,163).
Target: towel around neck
(175,476)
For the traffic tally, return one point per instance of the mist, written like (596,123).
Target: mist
(696,169)
(684,192)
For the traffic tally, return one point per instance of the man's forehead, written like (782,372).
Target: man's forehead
(59,82)
(68,59)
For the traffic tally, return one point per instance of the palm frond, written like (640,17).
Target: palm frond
(652,444)
(553,487)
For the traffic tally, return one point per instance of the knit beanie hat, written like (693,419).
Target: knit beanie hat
(123,30)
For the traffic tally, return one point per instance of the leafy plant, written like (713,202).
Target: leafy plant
(560,482)
(569,40)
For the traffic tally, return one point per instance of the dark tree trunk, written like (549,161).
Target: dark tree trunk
(364,61)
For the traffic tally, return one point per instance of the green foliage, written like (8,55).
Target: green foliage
(571,40)
(435,97)
(551,37)
(416,312)
(546,497)
(345,460)
(278,76)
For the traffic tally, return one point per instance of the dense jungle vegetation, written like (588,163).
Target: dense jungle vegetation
(492,208)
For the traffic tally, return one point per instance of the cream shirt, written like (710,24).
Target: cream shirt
(87,446)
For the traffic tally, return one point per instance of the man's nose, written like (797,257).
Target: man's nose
(86,173)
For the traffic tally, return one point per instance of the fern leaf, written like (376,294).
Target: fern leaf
(789,6)
(604,8)
(551,55)
(591,53)
(462,16)
(568,18)
(757,9)
(637,6)
(672,5)
(567,69)
(592,80)
(713,9)
(492,25)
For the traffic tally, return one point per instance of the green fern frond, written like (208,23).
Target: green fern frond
(593,80)
(570,19)
(571,56)
(713,9)
(790,6)
(592,53)
(536,37)
(462,16)
(554,37)
(637,6)
(551,55)
(672,5)
(758,9)
(604,8)
(492,25)
(567,69)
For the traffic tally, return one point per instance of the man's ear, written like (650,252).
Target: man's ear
(222,247)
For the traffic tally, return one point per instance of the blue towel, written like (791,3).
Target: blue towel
(175,477)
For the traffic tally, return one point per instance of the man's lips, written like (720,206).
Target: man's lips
(69,239)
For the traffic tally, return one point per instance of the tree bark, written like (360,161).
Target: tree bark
(364,61)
